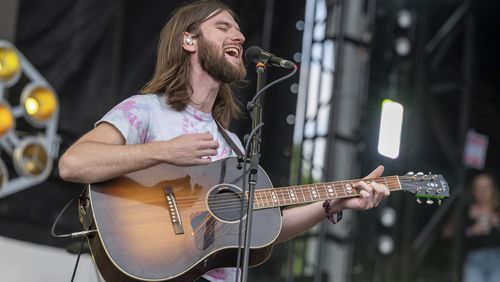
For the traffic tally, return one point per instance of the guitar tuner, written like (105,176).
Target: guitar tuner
(429,202)
(439,202)
(420,173)
(419,201)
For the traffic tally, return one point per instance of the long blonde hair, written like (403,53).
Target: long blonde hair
(172,63)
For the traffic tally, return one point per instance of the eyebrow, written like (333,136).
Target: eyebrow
(227,24)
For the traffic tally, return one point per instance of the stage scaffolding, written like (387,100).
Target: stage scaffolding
(332,94)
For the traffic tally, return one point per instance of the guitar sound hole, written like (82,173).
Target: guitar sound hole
(224,202)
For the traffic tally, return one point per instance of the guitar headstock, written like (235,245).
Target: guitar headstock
(428,187)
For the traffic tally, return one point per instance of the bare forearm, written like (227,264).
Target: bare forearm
(299,219)
(89,162)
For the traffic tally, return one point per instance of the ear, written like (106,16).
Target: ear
(189,42)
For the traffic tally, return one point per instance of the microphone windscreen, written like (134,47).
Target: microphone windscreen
(252,53)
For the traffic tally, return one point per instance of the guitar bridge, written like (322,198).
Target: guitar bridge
(175,216)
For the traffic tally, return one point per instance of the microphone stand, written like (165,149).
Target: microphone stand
(256,108)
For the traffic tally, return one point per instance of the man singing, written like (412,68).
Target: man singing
(174,120)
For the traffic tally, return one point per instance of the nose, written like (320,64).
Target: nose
(238,37)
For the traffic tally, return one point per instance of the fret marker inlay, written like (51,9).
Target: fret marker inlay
(330,190)
(348,188)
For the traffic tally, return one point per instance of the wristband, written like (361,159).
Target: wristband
(330,214)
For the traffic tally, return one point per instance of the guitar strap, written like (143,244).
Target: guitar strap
(229,140)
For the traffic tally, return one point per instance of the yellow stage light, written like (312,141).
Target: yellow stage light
(6,120)
(40,103)
(31,158)
(9,63)
(32,106)
(31,152)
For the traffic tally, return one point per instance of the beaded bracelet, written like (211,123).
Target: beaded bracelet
(330,214)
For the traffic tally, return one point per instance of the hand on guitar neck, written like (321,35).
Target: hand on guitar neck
(370,194)
(299,219)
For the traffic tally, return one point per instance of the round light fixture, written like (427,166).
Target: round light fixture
(10,67)
(404,19)
(40,104)
(403,46)
(31,158)
(385,244)
(388,217)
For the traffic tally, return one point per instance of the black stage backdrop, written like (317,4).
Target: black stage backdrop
(97,53)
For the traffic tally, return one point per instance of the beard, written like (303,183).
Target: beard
(216,65)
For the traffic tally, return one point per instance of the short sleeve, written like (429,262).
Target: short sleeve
(131,118)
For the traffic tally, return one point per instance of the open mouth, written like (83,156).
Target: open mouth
(232,51)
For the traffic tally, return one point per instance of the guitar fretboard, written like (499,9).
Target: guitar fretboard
(299,194)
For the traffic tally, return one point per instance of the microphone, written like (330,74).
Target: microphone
(257,55)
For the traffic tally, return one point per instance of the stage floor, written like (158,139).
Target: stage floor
(22,261)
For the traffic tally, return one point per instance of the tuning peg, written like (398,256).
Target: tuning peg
(419,201)
(410,173)
(430,172)
(429,202)
(420,173)
(439,202)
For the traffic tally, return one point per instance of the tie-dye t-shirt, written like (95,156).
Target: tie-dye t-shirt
(148,118)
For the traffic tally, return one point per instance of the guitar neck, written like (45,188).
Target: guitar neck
(307,193)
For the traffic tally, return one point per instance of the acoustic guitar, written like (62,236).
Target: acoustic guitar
(169,223)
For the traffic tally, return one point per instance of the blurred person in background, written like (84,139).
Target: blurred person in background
(481,232)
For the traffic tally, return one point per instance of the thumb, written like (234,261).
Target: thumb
(376,172)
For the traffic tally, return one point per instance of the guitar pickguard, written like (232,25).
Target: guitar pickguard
(222,218)
(204,227)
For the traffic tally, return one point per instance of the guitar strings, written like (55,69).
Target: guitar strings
(222,203)
(281,195)
(281,198)
(229,203)
(223,228)
(284,190)
(227,208)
